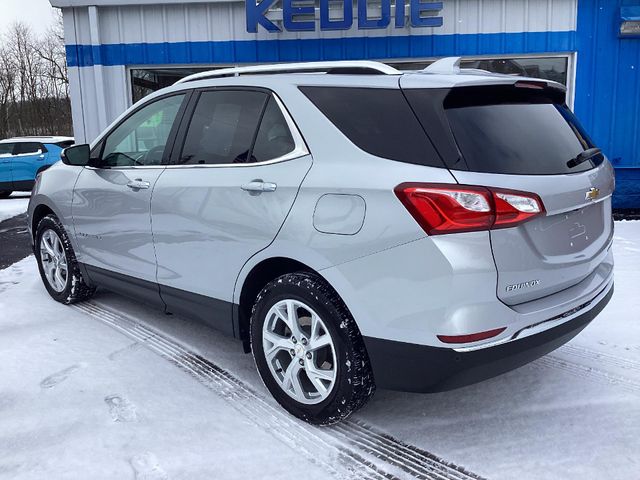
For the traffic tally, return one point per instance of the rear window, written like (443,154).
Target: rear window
(519,139)
(378,121)
(65,143)
(511,130)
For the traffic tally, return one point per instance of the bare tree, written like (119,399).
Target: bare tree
(34,85)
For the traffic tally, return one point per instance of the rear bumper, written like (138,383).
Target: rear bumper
(420,368)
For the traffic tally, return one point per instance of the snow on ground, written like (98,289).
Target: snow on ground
(16,204)
(81,400)
(111,389)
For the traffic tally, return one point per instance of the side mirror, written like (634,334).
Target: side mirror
(76,155)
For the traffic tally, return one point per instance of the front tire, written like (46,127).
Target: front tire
(308,349)
(5,194)
(57,263)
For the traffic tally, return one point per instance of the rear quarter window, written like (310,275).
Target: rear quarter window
(378,121)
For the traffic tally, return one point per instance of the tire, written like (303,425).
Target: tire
(345,359)
(5,194)
(70,287)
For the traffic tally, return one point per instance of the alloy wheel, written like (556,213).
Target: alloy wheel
(54,260)
(299,351)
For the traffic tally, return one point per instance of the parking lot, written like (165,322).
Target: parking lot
(114,388)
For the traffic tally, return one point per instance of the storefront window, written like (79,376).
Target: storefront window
(548,68)
(148,80)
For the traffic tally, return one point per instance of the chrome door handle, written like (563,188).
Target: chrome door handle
(258,186)
(138,184)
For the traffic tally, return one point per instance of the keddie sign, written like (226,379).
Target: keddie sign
(301,18)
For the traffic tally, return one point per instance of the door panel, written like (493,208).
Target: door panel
(112,203)
(112,222)
(6,152)
(205,226)
(216,206)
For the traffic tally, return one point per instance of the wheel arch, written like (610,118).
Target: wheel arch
(42,169)
(43,207)
(250,286)
(39,212)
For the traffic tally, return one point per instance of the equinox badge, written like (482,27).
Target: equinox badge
(518,286)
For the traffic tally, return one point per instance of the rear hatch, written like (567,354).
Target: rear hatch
(521,136)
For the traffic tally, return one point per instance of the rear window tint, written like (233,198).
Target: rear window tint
(510,130)
(535,139)
(378,121)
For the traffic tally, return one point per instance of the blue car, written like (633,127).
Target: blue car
(22,158)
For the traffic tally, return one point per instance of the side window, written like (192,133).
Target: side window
(376,120)
(6,149)
(28,148)
(274,137)
(141,138)
(222,128)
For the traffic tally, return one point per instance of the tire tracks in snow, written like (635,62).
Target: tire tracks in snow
(590,373)
(350,450)
(605,359)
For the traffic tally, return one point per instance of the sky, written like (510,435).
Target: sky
(38,14)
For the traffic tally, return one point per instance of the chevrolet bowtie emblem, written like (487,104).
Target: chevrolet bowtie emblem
(592,193)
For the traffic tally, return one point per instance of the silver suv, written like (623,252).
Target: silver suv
(352,225)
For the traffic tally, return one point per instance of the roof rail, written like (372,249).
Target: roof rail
(446,66)
(347,66)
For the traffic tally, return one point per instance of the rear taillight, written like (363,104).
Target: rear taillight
(513,208)
(446,208)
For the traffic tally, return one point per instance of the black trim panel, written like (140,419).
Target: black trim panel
(131,287)
(21,186)
(208,310)
(419,368)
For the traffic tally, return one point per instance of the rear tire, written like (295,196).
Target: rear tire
(5,193)
(324,374)
(57,263)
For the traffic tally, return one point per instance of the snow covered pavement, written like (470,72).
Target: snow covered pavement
(111,389)
(16,204)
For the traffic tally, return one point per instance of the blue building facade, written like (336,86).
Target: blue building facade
(607,96)
(120,50)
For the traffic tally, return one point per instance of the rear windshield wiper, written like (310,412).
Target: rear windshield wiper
(584,156)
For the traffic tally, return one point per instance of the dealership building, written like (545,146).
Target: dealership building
(118,51)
